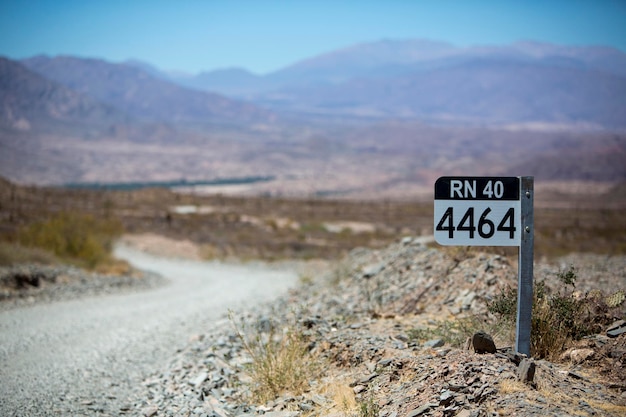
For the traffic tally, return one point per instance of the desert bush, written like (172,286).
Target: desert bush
(505,304)
(78,238)
(559,317)
(280,360)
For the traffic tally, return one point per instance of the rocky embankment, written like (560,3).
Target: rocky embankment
(388,332)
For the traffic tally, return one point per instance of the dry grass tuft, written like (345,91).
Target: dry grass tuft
(455,331)
(343,398)
(512,386)
(615,409)
(280,360)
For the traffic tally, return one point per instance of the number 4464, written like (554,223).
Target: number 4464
(485,227)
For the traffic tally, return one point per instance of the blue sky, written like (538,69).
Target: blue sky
(263,36)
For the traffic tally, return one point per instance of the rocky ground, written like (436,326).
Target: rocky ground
(387,330)
(27,284)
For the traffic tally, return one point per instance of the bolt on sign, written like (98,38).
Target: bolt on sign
(492,211)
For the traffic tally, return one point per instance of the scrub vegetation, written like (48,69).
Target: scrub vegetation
(560,317)
(76,238)
(280,360)
(275,228)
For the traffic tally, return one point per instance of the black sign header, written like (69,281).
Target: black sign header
(477,188)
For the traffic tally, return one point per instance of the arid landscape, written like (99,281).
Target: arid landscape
(166,199)
(245,227)
(382,309)
(76,120)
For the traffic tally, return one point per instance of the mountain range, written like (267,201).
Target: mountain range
(376,117)
(140,94)
(29,100)
(433,81)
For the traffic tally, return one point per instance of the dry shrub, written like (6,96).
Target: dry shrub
(560,317)
(75,237)
(280,360)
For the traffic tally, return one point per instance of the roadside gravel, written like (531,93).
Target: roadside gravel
(83,351)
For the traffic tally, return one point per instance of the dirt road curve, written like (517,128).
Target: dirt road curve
(85,357)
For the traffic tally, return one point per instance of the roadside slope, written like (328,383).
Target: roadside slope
(388,327)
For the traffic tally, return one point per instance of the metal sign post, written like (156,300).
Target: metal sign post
(525,268)
(492,211)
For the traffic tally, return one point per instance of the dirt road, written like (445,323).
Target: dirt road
(86,356)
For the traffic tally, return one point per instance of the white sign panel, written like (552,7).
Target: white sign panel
(478,211)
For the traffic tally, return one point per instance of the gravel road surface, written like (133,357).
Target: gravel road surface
(87,356)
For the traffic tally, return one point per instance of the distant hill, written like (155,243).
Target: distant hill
(526,82)
(144,95)
(385,118)
(588,158)
(28,101)
(69,122)
(483,90)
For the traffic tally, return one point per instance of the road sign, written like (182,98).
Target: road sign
(478,211)
(492,211)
